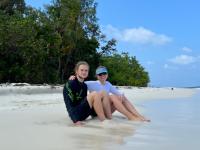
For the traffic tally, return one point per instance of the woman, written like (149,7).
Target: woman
(80,105)
(118,100)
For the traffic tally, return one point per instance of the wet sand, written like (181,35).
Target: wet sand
(35,117)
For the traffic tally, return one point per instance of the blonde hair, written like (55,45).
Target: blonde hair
(80,63)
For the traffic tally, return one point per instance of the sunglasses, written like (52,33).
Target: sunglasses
(101,74)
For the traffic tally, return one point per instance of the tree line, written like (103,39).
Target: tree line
(42,46)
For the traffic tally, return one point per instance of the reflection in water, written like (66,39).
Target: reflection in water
(175,125)
(96,135)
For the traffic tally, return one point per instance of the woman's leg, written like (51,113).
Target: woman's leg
(112,107)
(120,107)
(94,100)
(106,104)
(132,109)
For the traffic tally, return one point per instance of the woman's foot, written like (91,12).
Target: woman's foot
(135,119)
(145,119)
(141,118)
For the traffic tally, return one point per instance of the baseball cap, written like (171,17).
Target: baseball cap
(101,70)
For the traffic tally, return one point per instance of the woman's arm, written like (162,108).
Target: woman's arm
(114,90)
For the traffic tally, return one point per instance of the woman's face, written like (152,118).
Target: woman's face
(102,77)
(82,71)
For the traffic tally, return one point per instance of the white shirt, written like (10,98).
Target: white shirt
(97,86)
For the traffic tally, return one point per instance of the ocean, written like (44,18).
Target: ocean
(175,124)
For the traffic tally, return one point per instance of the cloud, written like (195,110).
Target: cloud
(137,35)
(167,66)
(186,49)
(183,59)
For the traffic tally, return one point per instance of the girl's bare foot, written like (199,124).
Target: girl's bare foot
(78,123)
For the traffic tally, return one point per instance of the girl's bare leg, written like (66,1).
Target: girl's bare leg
(94,100)
(106,105)
(112,107)
(120,107)
(132,109)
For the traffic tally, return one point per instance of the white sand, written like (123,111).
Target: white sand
(35,118)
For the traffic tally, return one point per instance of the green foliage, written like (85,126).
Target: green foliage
(75,22)
(125,70)
(28,49)
(44,46)
(10,6)
(108,48)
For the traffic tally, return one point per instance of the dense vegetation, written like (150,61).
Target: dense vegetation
(43,46)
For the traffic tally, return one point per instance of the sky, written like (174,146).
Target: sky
(163,35)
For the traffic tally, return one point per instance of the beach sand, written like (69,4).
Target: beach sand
(35,118)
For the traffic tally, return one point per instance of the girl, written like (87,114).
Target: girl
(80,105)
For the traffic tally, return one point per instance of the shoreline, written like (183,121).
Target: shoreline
(35,117)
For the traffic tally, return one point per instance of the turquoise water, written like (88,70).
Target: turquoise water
(175,125)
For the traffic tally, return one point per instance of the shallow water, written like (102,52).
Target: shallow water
(175,124)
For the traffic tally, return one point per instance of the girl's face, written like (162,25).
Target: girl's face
(82,71)
(102,77)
